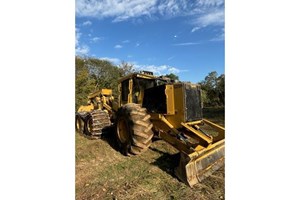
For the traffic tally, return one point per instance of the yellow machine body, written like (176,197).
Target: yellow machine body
(98,100)
(176,114)
(201,152)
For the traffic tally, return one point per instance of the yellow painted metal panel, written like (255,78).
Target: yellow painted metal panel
(130,91)
(170,99)
(106,91)
(178,116)
(207,138)
(87,108)
(194,167)
(219,129)
(130,76)
(119,96)
(145,76)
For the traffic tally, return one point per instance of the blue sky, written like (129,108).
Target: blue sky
(168,36)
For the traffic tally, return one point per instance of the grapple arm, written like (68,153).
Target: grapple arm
(202,148)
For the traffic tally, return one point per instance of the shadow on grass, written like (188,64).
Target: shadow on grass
(166,162)
(108,135)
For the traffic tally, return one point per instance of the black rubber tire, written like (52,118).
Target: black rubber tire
(87,123)
(138,129)
(79,124)
(95,121)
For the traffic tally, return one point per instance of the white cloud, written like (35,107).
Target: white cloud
(87,23)
(202,13)
(118,46)
(80,49)
(158,70)
(171,7)
(195,29)
(77,36)
(170,58)
(121,10)
(214,17)
(219,37)
(115,61)
(96,39)
(209,3)
(187,43)
(174,70)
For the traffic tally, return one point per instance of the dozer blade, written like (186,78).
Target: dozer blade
(195,167)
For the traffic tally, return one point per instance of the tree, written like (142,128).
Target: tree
(210,81)
(204,97)
(93,74)
(126,68)
(84,83)
(214,87)
(172,76)
(105,74)
(221,88)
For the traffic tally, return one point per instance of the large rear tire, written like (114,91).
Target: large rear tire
(133,129)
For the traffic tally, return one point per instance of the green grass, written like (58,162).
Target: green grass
(103,173)
(216,115)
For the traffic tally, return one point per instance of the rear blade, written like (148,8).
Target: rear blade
(195,167)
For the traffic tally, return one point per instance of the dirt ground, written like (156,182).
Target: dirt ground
(104,173)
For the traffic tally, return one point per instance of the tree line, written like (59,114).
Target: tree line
(92,74)
(213,90)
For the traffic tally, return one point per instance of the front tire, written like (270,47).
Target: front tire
(95,122)
(133,129)
(79,124)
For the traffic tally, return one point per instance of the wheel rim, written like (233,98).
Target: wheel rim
(79,124)
(122,130)
(89,125)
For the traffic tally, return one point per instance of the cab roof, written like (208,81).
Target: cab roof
(143,74)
